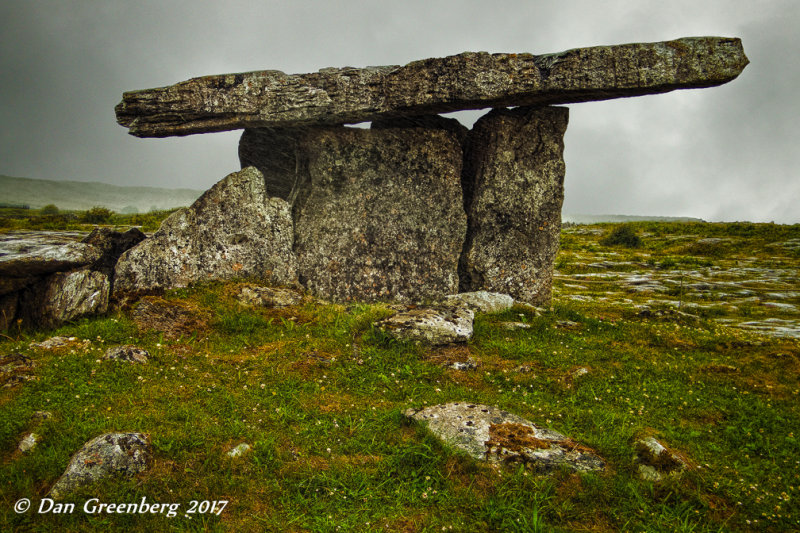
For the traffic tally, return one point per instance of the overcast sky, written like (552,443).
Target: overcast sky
(725,153)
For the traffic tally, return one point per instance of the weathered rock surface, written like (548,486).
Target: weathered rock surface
(432,122)
(274,152)
(255,296)
(497,436)
(466,81)
(26,256)
(514,184)
(482,301)
(173,319)
(238,451)
(15,368)
(233,231)
(64,296)
(111,454)
(380,214)
(127,353)
(111,245)
(54,343)
(655,460)
(430,325)
(28,442)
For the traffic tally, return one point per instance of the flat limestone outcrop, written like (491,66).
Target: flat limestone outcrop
(500,437)
(380,214)
(235,230)
(514,183)
(472,80)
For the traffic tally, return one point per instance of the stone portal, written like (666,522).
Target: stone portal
(416,207)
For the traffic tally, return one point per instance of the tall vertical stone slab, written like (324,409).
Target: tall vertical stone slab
(514,189)
(380,213)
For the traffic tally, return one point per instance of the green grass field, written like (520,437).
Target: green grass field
(319,395)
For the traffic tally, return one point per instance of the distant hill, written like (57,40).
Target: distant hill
(595,219)
(83,195)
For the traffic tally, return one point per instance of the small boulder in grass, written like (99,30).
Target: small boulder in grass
(435,325)
(256,296)
(656,460)
(238,451)
(28,443)
(109,455)
(127,353)
(500,437)
(482,301)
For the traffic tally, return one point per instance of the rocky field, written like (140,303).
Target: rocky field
(657,392)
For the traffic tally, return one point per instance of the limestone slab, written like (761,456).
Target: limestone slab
(471,80)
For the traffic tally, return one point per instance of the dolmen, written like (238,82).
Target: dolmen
(416,206)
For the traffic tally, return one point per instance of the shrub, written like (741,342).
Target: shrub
(623,236)
(97,215)
(49,209)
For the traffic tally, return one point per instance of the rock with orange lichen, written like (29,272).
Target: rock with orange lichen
(500,437)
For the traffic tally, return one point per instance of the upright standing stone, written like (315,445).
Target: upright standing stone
(514,183)
(233,231)
(380,213)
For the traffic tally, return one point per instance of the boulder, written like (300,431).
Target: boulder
(127,353)
(64,296)
(111,245)
(270,98)
(111,454)
(514,184)
(497,436)
(430,325)
(233,231)
(28,442)
(482,301)
(380,214)
(655,460)
(27,256)
(238,451)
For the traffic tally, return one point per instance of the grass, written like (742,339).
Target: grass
(319,395)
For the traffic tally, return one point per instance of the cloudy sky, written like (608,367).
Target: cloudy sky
(726,153)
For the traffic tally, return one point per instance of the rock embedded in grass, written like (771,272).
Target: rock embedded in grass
(110,454)
(482,301)
(499,437)
(655,460)
(28,443)
(238,451)
(127,353)
(257,296)
(434,325)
